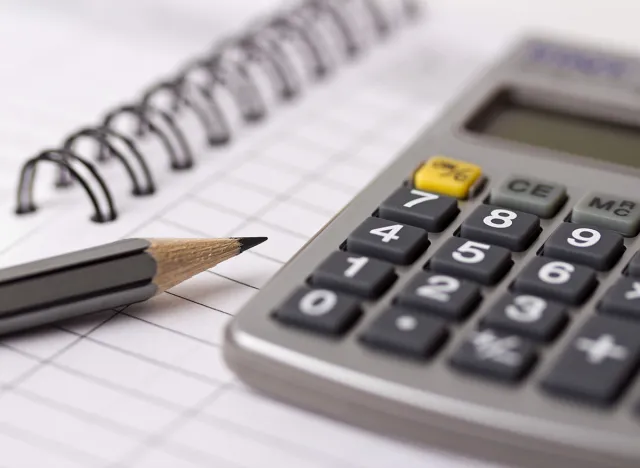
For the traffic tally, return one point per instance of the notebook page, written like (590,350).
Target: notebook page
(146,386)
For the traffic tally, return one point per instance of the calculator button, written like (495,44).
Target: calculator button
(422,209)
(319,310)
(590,246)
(494,354)
(447,176)
(623,298)
(514,230)
(482,263)
(610,212)
(634,266)
(388,240)
(354,274)
(598,362)
(444,295)
(406,332)
(554,279)
(528,316)
(539,197)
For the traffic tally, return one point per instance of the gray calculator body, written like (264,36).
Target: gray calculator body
(428,401)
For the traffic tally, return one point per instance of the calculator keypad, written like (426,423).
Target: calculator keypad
(418,208)
(416,318)
(594,247)
(444,295)
(388,240)
(598,362)
(493,225)
(528,316)
(355,274)
(494,354)
(479,262)
(320,310)
(554,279)
(406,332)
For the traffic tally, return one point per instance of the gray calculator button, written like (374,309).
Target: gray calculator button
(320,310)
(539,197)
(495,354)
(444,295)
(633,269)
(405,332)
(608,211)
(623,298)
(556,279)
(477,261)
(514,230)
(422,209)
(529,316)
(588,245)
(598,362)
(354,274)
(388,240)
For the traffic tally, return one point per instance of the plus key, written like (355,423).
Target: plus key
(598,363)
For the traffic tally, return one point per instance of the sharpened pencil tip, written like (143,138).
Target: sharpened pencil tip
(248,242)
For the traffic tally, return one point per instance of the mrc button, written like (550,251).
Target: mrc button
(608,211)
(539,197)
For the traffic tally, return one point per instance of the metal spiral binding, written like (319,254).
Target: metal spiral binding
(226,66)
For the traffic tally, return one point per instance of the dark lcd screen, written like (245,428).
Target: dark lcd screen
(523,123)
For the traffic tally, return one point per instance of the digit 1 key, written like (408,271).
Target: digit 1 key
(355,274)
(388,240)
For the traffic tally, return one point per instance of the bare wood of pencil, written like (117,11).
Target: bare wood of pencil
(106,277)
(180,259)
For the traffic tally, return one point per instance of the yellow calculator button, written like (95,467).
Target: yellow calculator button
(446,176)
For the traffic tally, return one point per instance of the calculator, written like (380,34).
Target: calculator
(482,295)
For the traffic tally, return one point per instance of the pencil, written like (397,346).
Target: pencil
(106,277)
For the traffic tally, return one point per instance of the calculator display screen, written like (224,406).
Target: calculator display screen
(556,130)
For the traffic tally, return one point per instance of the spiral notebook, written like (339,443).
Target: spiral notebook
(269,133)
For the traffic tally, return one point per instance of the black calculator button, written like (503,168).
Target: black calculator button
(388,240)
(633,269)
(514,230)
(444,295)
(595,247)
(555,279)
(495,354)
(406,332)
(417,208)
(598,362)
(528,316)
(479,262)
(354,274)
(623,298)
(319,310)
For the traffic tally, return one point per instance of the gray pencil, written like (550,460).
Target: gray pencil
(105,277)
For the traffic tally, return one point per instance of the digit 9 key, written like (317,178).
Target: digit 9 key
(482,294)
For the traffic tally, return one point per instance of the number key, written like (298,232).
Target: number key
(422,209)
(528,316)
(397,243)
(319,310)
(511,229)
(597,248)
(442,294)
(354,274)
(483,263)
(555,279)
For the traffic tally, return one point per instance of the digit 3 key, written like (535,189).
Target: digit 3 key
(485,296)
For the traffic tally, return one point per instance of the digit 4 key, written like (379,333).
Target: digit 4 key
(483,293)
